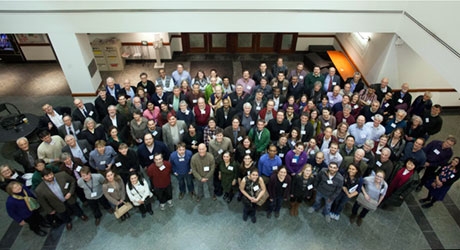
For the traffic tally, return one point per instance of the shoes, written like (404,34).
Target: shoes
(359,221)
(123,217)
(424,200)
(310,210)
(418,189)
(253,219)
(98,221)
(170,204)
(225,196)
(328,218)
(352,218)
(69,226)
(45,225)
(198,198)
(192,194)
(277,214)
(150,211)
(110,210)
(229,199)
(245,217)
(214,197)
(40,232)
(181,195)
(84,218)
(162,207)
(269,215)
(336,217)
(127,215)
(143,215)
(428,205)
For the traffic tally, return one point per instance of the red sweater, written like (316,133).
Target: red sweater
(160,178)
(202,119)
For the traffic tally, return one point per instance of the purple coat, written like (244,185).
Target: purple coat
(295,164)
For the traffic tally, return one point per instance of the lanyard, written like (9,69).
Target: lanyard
(90,188)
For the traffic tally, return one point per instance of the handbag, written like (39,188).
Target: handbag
(120,211)
(149,200)
(370,205)
(263,199)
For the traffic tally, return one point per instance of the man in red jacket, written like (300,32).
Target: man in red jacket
(159,173)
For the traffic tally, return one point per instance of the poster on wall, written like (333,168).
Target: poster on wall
(32,38)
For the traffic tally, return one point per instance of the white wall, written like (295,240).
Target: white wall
(304,42)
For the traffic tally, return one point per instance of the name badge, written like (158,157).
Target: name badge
(452,176)
(334,83)
(187,112)
(300,77)
(102,163)
(386,105)
(206,168)
(330,182)
(181,131)
(162,168)
(181,159)
(372,117)
(378,163)
(344,120)
(220,151)
(393,125)
(91,113)
(85,150)
(230,168)
(294,160)
(326,124)
(274,168)
(195,101)
(303,132)
(239,138)
(249,87)
(203,112)
(251,123)
(154,133)
(93,194)
(151,157)
(170,105)
(77,131)
(66,186)
(363,136)
(118,164)
(78,169)
(281,132)
(258,108)
(356,106)
(255,188)
(110,190)
(284,185)
(160,101)
(436,151)
(331,102)
(368,102)
(284,88)
(247,151)
(193,142)
(281,155)
(427,120)
(293,143)
(400,100)
(310,187)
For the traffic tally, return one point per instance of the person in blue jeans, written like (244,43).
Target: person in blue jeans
(328,185)
(279,187)
(352,183)
(180,161)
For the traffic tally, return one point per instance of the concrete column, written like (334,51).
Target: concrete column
(74,54)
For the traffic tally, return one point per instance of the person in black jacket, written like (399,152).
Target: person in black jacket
(301,188)
(126,162)
(26,154)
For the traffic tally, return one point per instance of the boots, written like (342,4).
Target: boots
(292,208)
(296,208)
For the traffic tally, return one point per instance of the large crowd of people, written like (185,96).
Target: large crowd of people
(282,135)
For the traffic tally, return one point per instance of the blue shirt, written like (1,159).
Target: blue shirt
(360,134)
(181,164)
(179,77)
(100,162)
(267,165)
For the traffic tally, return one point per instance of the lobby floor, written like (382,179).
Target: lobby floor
(216,224)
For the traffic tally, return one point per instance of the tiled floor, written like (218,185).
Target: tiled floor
(215,224)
